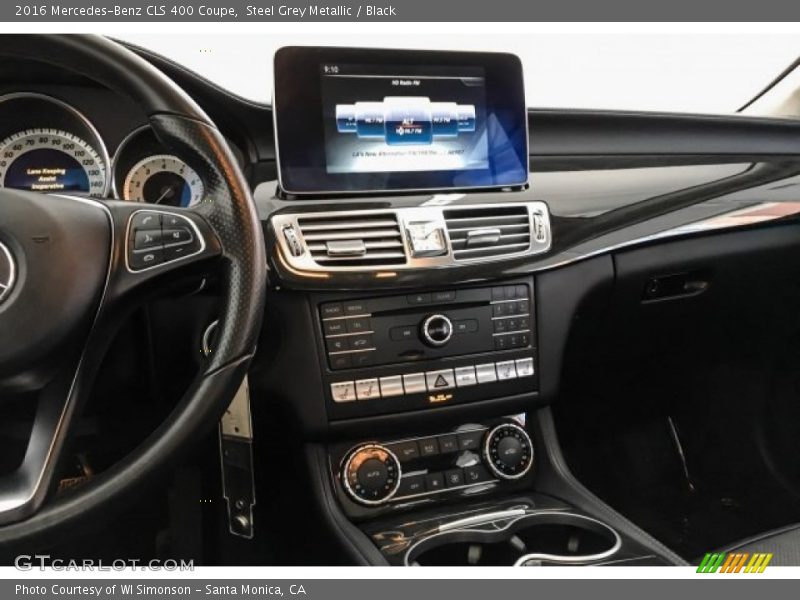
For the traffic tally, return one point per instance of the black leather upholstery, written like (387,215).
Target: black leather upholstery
(783,543)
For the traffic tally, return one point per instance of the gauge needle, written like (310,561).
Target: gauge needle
(167,192)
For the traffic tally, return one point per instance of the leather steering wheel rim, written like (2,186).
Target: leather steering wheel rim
(182,126)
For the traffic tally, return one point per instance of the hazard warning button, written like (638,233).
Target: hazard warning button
(440,380)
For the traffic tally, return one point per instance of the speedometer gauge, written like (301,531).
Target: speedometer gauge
(163,179)
(51,160)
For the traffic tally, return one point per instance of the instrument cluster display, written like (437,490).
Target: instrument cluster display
(48,146)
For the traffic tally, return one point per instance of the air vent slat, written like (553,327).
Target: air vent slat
(376,238)
(488,231)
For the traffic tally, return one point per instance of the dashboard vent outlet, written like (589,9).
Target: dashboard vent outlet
(477,233)
(353,240)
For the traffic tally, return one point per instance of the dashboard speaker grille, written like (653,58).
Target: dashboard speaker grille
(488,231)
(348,241)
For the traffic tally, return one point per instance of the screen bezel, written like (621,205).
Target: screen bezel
(299,128)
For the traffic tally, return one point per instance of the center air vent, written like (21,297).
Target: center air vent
(353,240)
(488,231)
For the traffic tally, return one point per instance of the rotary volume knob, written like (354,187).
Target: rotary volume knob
(508,451)
(371,474)
(436,330)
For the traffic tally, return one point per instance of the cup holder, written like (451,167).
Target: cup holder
(548,538)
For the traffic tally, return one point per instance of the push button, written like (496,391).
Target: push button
(440,380)
(337,344)
(344,391)
(146,258)
(178,235)
(144,239)
(414,383)
(361,342)
(434,482)
(506,370)
(334,327)
(367,389)
(428,447)
(476,474)
(358,325)
(465,376)
(355,308)
(470,440)
(411,485)
(146,220)
(448,443)
(400,334)
(405,450)
(329,311)
(454,478)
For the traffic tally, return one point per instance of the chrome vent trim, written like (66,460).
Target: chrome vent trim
(376,240)
(353,241)
(488,231)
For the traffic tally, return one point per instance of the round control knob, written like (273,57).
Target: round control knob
(371,474)
(508,451)
(437,330)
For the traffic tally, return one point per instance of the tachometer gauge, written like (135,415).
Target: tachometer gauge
(51,160)
(163,179)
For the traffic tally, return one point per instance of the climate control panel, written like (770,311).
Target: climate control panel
(401,471)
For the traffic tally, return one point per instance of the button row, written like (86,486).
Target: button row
(431,298)
(511,308)
(336,310)
(441,444)
(509,292)
(157,238)
(431,381)
(413,485)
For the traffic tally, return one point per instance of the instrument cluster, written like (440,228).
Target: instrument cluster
(49,146)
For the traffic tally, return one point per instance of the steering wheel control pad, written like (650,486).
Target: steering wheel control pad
(157,237)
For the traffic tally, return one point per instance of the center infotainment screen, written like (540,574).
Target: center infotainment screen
(352,120)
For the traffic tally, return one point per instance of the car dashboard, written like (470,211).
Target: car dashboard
(415,339)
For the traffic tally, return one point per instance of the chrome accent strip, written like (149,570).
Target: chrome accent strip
(305,264)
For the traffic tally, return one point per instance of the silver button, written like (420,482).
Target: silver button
(344,391)
(414,383)
(440,380)
(367,389)
(506,370)
(391,386)
(525,367)
(465,376)
(486,373)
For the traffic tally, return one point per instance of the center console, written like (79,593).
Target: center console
(387,354)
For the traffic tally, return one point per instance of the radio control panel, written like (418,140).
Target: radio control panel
(387,354)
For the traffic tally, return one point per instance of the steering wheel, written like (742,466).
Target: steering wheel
(72,268)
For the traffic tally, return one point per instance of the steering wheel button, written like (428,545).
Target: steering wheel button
(148,258)
(178,235)
(144,239)
(146,220)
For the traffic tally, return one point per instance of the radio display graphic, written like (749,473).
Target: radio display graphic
(382,119)
(363,120)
